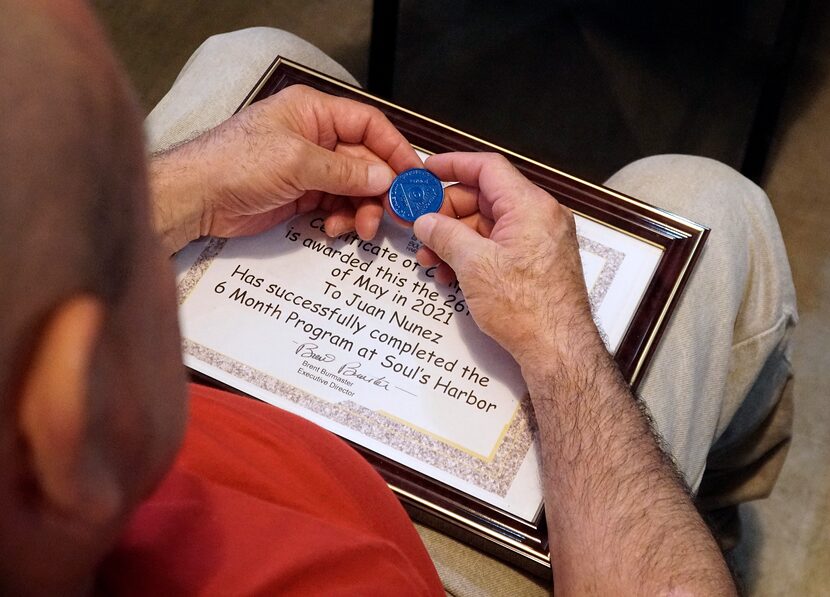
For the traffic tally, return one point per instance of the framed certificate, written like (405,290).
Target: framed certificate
(357,337)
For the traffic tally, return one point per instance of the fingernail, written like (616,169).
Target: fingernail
(368,231)
(380,177)
(424,225)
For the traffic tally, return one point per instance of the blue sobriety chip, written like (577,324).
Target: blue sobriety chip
(414,193)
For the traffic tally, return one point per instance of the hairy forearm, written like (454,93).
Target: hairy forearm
(619,516)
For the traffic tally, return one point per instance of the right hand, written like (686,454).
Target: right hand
(514,250)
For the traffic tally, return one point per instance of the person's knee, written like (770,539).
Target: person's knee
(251,37)
(741,291)
(273,42)
(220,74)
(745,241)
(702,189)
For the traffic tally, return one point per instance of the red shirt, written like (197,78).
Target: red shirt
(260,501)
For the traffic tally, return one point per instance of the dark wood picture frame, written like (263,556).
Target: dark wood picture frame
(508,537)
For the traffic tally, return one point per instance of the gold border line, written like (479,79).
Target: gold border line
(488,458)
(428,433)
(504,429)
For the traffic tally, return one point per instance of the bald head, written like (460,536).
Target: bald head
(91,383)
(70,167)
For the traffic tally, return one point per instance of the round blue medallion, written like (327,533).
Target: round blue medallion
(415,192)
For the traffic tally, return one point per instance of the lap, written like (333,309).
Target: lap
(719,369)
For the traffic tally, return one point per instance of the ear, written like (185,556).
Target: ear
(56,410)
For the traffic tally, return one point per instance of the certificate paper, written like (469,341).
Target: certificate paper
(357,337)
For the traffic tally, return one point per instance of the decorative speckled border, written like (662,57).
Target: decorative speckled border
(198,269)
(495,476)
(612,261)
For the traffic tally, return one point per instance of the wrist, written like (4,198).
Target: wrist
(178,193)
(564,352)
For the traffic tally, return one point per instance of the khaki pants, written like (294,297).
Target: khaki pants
(718,385)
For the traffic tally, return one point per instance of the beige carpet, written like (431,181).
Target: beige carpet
(786,548)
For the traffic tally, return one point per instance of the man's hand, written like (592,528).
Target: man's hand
(291,153)
(513,248)
(620,521)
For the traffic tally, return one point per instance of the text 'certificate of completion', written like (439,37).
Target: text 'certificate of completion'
(357,337)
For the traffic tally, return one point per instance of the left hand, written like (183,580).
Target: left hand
(291,153)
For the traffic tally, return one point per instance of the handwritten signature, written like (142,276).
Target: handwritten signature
(306,350)
(352,370)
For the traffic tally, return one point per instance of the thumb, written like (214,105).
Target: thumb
(340,174)
(450,239)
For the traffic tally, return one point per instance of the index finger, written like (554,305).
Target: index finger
(356,122)
(487,171)
(502,186)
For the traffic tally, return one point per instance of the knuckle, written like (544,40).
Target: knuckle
(350,175)
(375,113)
(299,91)
(296,99)
(569,218)
(563,215)
(286,95)
(502,161)
(490,155)
(441,239)
(295,157)
(497,161)
(298,152)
